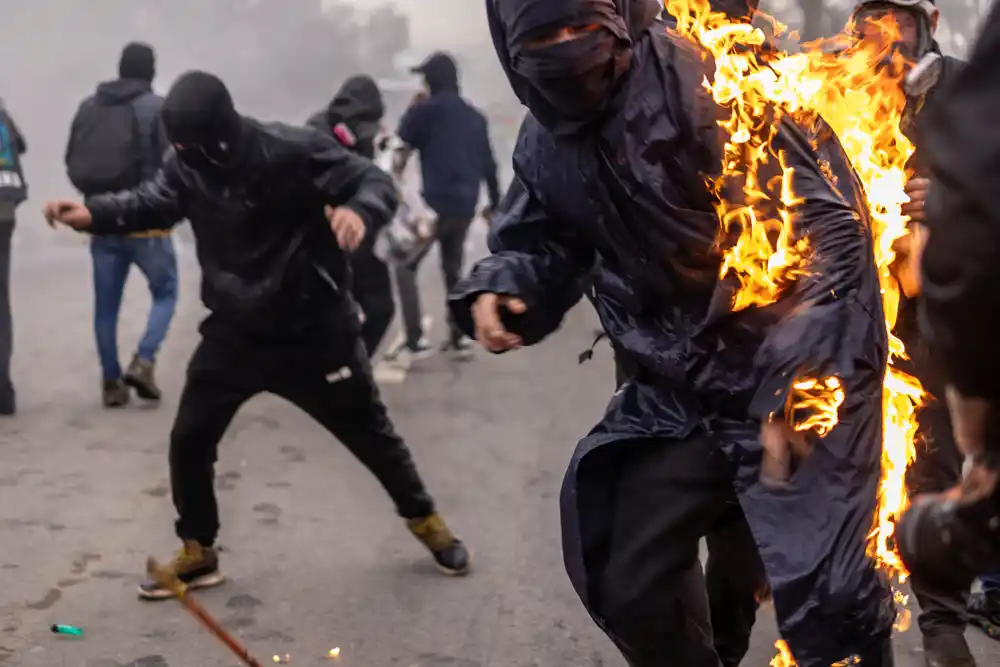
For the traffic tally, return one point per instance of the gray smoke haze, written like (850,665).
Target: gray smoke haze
(281,58)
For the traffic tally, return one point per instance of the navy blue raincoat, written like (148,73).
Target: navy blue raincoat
(625,204)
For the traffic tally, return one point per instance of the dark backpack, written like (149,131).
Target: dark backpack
(105,154)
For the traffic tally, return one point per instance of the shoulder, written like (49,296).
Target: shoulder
(288,144)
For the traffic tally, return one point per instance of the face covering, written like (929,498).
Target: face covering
(575,76)
(202,124)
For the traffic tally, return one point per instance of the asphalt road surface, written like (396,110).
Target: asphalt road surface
(316,557)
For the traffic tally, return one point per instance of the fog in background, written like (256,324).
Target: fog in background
(282,58)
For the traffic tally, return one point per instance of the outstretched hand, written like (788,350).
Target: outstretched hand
(347,226)
(68,212)
(490,331)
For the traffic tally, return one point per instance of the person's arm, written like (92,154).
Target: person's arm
(534,260)
(155,204)
(411,131)
(345,179)
(19,142)
(73,130)
(961,260)
(490,168)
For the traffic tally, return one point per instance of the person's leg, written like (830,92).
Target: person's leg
(156,259)
(219,381)
(452,240)
(347,403)
(652,594)
(414,344)
(111,267)
(373,291)
(8,403)
(736,582)
(984,606)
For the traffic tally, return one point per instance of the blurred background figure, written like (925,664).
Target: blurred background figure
(354,118)
(456,158)
(116,142)
(13,191)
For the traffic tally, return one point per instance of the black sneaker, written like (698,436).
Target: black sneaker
(984,613)
(948,649)
(409,352)
(449,553)
(195,565)
(114,393)
(461,347)
(140,377)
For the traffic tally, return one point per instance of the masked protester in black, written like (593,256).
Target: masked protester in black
(952,538)
(610,185)
(262,201)
(354,118)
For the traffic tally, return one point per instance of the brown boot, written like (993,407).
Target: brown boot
(194,564)
(449,553)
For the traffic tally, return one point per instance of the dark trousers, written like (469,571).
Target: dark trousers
(372,288)
(654,596)
(451,239)
(223,374)
(6,319)
(938,467)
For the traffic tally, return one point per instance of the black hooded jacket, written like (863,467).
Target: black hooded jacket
(359,107)
(620,198)
(271,268)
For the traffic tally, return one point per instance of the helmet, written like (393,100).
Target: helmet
(924,10)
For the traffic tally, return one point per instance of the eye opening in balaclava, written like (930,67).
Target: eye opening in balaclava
(567,83)
(201,122)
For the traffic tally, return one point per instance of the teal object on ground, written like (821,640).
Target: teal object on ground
(67,630)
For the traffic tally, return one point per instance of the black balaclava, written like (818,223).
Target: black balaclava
(566,85)
(440,72)
(137,62)
(355,113)
(202,124)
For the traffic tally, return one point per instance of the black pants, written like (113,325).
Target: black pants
(451,239)
(222,375)
(656,601)
(938,467)
(6,320)
(372,288)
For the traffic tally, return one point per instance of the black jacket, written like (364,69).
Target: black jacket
(629,198)
(961,262)
(147,106)
(271,268)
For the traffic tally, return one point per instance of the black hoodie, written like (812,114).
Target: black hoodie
(353,115)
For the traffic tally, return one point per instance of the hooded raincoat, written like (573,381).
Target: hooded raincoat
(620,197)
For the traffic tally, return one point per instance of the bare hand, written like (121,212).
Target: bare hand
(782,445)
(969,418)
(489,328)
(909,250)
(347,226)
(68,212)
(916,190)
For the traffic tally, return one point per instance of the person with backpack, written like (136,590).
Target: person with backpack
(116,143)
(13,191)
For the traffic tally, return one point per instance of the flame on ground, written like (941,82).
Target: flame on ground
(856,89)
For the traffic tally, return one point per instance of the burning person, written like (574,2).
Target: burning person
(938,464)
(610,172)
(275,211)
(354,118)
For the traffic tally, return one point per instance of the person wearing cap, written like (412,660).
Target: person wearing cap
(115,131)
(943,617)
(456,158)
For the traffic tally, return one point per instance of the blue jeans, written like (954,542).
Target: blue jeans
(113,256)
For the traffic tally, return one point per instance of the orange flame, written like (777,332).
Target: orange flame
(856,89)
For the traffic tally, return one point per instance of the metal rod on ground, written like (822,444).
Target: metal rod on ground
(167,579)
